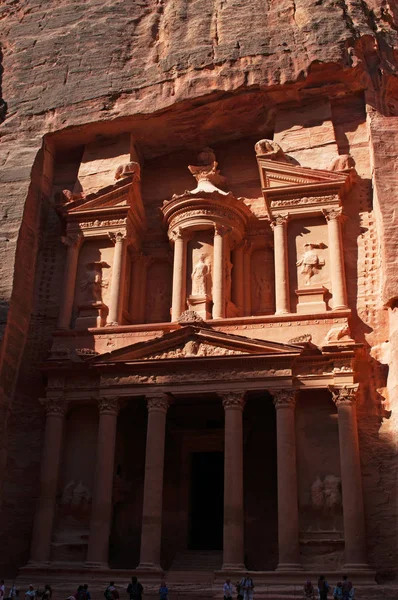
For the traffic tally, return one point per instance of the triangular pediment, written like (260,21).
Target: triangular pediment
(196,342)
(110,197)
(276,174)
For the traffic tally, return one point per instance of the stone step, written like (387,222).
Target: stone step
(191,560)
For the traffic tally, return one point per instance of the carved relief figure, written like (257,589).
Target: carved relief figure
(228,279)
(262,287)
(200,277)
(310,262)
(157,303)
(92,282)
(75,494)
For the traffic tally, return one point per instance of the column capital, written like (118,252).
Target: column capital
(233,400)
(279,221)
(333,214)
(109,406)
(221,230)
(117,236)
(285,398)
(55,407)
(176,234)
(344,395)
(158,403)
(72,240)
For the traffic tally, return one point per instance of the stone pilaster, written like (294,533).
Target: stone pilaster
(73,243)
(336,257)
(233,403)
(288,521)
(51,456)
(351,479)
(282,297)
(179,273)
(153,484)
(117,283)
(101,511)
(219,256)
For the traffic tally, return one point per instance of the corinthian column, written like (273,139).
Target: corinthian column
(73,242)
(351,479)
(116,294)
(336,258)
(218,271)
(282,299)
(153,484)
(233,546)
(179,273)
(101,511)
(288,521)
(44,516)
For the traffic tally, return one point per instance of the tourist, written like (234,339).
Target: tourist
(347,586)
(47,594)
(239,591)
(31,593)
(81,593)
(2,589)
(88,595)
(338,591)
(14,592)
(309,590)
(135,589)
(228,589)
(323,588)
(108,594)
(247,587)
(163,591)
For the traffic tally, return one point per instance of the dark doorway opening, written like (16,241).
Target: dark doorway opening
(207,501)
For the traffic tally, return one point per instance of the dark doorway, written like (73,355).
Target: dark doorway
(207,501)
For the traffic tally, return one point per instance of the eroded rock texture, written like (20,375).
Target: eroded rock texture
(319,76)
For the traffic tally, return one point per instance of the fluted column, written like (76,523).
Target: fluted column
(336,258)
(73,242)
(351,479)
(218,271)
(116,294)
(101,511)
(153,484)
(50,462)
(282,297)
(179,273)
(233,546)
(288,520)
(238,278)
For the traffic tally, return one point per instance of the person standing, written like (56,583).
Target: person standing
(309,591)
(2,589)
(338,591)
(228,589)
(346,587)
(163,591)
(31,593)
(47,594)
(323,588)
(247,587)
(14,592)
(88,595)
(135,589)
(108,594)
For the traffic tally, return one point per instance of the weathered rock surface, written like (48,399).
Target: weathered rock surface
(179,74)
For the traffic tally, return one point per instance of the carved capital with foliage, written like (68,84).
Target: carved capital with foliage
(55,407)
(233,400)
(109,406)
(344,395)
(333,214)
(279,221)
(158,403)
(285,398)
(117,236)
(72,240)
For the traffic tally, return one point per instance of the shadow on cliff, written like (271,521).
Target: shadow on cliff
(3,103)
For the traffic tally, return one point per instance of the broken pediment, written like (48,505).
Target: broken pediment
(196,342)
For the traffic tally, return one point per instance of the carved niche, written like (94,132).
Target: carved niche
(158,291)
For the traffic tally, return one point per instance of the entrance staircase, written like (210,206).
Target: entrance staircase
(196,560)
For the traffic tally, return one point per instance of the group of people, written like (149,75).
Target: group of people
(244,588)
(343,590)
(30,594)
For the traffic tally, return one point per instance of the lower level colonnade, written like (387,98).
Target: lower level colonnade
(233,403)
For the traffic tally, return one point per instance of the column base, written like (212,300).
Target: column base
(38,564)
(341,307)
(149,567)
(289,567)
(95,565)
(356,567)
(282,312)
(233,567)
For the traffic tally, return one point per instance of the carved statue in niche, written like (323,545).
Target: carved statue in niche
(200,277)
(92,282)
(310,262)
(262,286)
(326,503)
(75,496)
(228,279)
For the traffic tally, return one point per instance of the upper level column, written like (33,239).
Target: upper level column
(73,242)
(153,483)
(219,301)
(118,239)
(351,480)
(336,256)
(179,272)
(288,520)
(282,299)
(45,510)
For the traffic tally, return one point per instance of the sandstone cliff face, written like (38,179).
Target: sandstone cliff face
(76,70)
